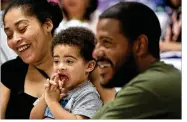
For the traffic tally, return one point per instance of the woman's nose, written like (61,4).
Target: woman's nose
(16,38)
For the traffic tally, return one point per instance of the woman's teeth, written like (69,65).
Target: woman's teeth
(23,48)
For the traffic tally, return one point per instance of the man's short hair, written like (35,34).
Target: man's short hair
(136,19)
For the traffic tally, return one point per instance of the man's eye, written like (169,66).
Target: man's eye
(107,43)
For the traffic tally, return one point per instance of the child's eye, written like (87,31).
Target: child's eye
(69,61)
(56,62)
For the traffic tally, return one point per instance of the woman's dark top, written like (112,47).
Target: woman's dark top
(13,75)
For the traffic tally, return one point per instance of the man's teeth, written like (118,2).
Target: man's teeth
(104,65)
(23,48)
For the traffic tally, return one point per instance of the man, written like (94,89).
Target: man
(127,52)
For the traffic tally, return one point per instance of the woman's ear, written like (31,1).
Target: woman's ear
(49,25)
(90,66)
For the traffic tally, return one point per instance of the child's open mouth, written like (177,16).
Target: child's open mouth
(63,77)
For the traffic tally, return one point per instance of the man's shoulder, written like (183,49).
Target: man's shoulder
(160,80)
(158,73)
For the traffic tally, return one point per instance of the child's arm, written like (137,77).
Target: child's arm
(39,109)
(52,98)
(60,113)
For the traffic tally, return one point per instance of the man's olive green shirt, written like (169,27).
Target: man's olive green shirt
(155,93)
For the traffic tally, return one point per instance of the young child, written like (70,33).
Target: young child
(72,53)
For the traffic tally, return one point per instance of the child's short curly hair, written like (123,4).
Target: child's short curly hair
(80,37)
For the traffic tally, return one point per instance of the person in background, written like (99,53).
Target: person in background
(172,38)
(72,60)
(6,52)
(128,56)
(79,13)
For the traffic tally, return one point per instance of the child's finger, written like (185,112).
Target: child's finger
(47,85)
(52,88)
(54,75)
(62,95)
(63,90)
(56,79)
(60,84)
(52,82)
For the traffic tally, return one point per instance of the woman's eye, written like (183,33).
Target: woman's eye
(9,36)
(22,29)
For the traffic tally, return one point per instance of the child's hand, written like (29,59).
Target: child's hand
(61,84)
(52,92)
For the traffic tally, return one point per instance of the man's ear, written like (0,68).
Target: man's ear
(90,66)
(140,46)
(49,25)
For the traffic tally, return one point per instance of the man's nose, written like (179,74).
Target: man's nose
(98,52)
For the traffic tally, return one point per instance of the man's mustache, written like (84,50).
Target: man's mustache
(104,60)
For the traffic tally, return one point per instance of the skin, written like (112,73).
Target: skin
(19,30)
(75,8)
(37,55)
(112,46)
(113,54)
(176,2)
(68,61)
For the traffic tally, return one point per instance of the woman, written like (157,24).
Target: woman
(29,26)
(79,13)
(172,38)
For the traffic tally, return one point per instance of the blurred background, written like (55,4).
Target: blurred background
(167,11)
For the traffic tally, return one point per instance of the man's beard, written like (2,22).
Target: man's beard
(126,72)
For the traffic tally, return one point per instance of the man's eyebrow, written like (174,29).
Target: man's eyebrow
(104,37)
(17,23)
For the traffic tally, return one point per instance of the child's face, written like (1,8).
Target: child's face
(70,66)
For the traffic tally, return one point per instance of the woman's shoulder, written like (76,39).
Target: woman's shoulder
(13,64)
(13,70)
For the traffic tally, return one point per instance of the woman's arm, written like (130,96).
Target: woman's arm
(107,94)
(39,109)
(5,96)
(170,46)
